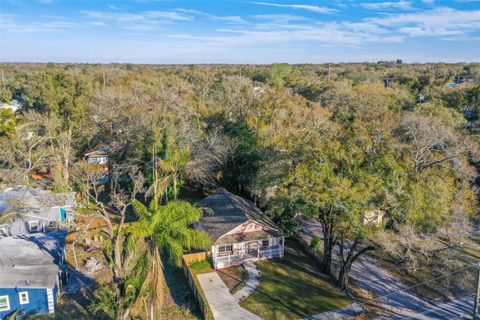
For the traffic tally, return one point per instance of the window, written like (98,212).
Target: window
(225,248)
(265,243)
(33,226)
(98,159)
(4,303)
(281,241)
(23,297)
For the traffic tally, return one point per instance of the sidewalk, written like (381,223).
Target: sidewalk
(252,283)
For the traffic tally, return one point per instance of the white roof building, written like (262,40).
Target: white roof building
(14,105)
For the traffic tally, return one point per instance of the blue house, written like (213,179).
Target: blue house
(30,273)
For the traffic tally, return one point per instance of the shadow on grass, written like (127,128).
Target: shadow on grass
(293,288)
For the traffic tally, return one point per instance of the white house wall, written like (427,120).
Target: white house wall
(242,246)
(21,226)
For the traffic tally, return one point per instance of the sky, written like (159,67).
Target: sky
(239,31)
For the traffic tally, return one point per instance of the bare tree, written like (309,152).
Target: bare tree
(25,151)
(432,143)
(111,207)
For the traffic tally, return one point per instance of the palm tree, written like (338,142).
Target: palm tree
(163,229)
(166,171)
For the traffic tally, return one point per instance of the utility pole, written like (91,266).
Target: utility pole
(104,79)
(477,295)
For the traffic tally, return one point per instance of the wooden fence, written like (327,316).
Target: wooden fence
(192,257)
(194,284)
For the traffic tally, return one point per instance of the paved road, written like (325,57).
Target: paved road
(342,313)
(223,305)
(403,304)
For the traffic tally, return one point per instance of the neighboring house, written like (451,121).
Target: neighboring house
(239,230)
(15,105)
(31,273)
(373,217)
(27,210)
(99,156)
(100,160)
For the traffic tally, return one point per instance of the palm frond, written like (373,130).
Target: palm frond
(140,210)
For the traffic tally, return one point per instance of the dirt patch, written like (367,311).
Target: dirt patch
(234,277)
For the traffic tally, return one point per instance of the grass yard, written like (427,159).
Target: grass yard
(292,288)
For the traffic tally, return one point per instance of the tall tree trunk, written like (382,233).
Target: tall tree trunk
(344,276)
(328,244)
(66,165)
(347,262)
(117,256)
(175,186)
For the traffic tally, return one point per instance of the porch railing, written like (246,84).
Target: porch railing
(262,252)
(270,251)
(229,258)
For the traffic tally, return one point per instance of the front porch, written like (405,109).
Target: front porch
(225,255)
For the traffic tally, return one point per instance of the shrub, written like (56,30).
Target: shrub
(315,243)
(199,265)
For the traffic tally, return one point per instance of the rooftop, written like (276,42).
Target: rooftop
(228,211)
(25,197)
(31,261)
(99,152)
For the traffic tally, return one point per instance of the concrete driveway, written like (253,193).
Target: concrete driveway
(223,305)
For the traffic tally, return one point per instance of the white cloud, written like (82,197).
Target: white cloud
(10,23)
(443,23)
(312,8)
(431,23)
(97,23)
(153,17)
(279,17)
(330,33)
(403,5)
(228,19)
(142,21)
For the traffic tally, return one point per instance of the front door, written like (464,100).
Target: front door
(63,214)
(252,250)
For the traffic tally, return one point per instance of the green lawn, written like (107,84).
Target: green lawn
(292,288)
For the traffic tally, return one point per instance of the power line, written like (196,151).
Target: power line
(455,300)
(419,284)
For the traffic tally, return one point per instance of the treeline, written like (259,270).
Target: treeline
(331,142)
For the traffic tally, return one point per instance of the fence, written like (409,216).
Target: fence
(271,252)
(192,257)
(194,284)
